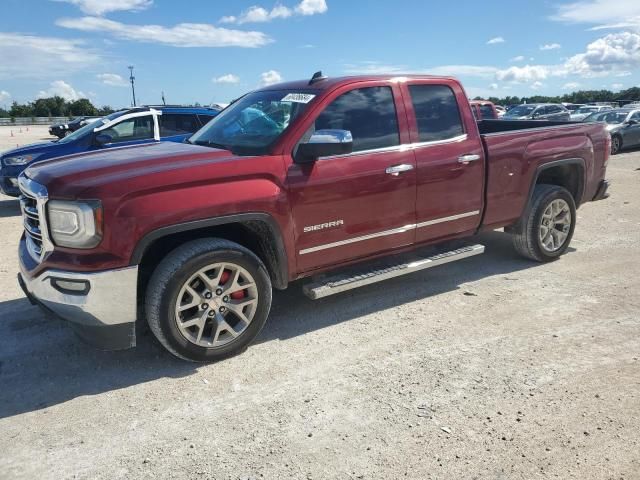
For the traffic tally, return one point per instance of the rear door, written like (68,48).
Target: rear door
(632,131)
(449,160)
(175,127)
(360,204)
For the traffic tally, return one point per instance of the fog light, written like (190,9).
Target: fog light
(72,287)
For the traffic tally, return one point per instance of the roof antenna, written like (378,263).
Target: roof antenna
(317,77)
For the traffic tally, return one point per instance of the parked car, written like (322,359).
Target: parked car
(501,110)
(622,124)
(344,181)
(583,112)
(572,107)
(538,111)
(126,127)
(483,110)
(61,130)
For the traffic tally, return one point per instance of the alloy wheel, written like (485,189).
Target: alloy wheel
(555,225)
(216,305)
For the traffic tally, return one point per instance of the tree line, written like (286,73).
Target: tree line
(582,96)
(55,107)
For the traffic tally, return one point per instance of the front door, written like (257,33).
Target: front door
(449,160)
(350,206)
(132,131)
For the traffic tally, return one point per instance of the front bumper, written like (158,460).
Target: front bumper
(602,193)
(103,308)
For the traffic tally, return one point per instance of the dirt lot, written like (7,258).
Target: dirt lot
(492,368)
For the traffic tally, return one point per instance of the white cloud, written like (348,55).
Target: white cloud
(493,86)
(614,52)
(519,58)
(608,14)
(312,7)
(368,67)
(537,85)
(570,86)
(463,70)
(100,7)
(257,14)
(550,46)
(61,89)
(180,35)
(229,78)
(526,74)
(617,86)
(112,79)
(495,40)
(270,77)
(4,97)
(42,57)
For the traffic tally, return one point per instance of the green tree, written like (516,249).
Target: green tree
(82,107)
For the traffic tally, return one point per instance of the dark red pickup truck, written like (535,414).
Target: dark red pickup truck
(359,179)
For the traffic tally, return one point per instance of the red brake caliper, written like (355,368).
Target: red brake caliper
(224,278)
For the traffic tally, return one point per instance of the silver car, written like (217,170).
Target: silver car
(623,125)
(583,112)
(538,111)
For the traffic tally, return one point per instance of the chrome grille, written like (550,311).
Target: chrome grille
(32,202)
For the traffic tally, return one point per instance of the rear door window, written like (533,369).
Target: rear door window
(368,113)
(437,112)
(177,124)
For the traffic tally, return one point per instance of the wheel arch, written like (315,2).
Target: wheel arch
(569,173)
(259,232)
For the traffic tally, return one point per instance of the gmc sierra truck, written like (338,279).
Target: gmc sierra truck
(344,182)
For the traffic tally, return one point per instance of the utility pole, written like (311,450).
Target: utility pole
(133,88)
(163,101)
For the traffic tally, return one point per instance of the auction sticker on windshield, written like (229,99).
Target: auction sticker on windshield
(298,97)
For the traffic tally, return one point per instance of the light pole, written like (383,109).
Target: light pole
(133,88)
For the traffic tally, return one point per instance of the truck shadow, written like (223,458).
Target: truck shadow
(9,208)
(42,363)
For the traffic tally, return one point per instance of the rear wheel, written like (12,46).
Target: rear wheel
(545,231)
(616,144)
(208,299)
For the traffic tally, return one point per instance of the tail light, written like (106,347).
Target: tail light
(607,149)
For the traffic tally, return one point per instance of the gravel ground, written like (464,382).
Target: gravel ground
(491,368)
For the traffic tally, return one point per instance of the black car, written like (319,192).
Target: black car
(61,130)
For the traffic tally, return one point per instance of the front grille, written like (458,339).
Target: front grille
(32,200)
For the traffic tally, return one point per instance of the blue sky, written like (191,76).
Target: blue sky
(214,50)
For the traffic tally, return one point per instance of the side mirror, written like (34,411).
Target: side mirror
(324,143)
(632,122)
(102,139)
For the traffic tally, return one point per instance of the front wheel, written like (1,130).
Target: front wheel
(208,299)
(545,231)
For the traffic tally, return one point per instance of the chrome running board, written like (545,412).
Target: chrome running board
(361,275)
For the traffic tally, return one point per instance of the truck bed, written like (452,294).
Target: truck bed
(516,149)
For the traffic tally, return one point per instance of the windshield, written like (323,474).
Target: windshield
(521,111)
(608,117)
(253,123)
(587,110)
(81,132)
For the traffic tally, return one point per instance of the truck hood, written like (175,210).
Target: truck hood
(73,175)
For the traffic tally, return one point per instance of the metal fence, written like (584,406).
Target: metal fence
(9,122)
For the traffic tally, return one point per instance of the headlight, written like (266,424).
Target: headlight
(20,159)
(75,224)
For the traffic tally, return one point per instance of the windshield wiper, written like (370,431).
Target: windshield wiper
(207,143)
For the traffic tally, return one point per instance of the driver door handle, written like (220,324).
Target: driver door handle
(398,169)
(468,158)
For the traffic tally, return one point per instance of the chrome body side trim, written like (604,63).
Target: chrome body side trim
(385,233)
(110,299)
(400,148)
(447,219)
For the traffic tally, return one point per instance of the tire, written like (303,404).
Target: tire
(527,234)
(180,275)
(616,144)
